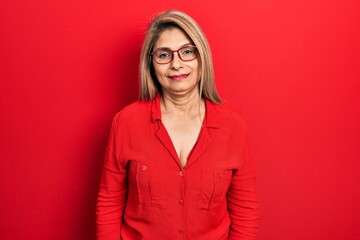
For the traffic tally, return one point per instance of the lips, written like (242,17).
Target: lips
(179,77)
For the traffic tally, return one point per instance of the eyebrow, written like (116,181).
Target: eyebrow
(167,48)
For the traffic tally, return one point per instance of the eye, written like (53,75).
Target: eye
(188,50)
(163,54)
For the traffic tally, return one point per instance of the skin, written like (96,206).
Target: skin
(182,108)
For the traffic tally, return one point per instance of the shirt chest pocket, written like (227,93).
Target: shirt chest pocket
(149,184)
(214,187)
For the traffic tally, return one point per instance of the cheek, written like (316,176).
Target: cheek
(159,71)
(198,70)
(197,66)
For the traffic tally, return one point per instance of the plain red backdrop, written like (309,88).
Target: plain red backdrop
(291,69)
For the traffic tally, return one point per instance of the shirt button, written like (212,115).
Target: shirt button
(143,168)
(181,231)
(181,173)
(181,202)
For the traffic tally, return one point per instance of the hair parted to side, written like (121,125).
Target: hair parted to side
(149,85)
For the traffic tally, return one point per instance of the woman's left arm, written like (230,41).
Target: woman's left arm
(242,197)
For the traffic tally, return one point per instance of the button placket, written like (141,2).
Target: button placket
(181,202)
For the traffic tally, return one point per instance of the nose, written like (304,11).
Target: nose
(176,62)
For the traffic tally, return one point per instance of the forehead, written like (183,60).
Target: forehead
(172,38)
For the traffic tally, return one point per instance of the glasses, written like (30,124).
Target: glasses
(165,55)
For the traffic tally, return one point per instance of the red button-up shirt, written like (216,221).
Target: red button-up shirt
(145,193)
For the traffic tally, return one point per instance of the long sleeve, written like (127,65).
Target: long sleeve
(112,193)
(242,197)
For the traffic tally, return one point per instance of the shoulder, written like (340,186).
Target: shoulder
(134,111)
(226,116)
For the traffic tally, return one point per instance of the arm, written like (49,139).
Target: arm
(112,193)
(242,198)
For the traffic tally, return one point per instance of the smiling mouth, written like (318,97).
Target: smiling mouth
(179,77)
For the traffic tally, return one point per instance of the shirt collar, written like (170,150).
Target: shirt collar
(155,109)
(211,114)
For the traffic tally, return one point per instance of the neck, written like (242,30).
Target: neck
(181,105)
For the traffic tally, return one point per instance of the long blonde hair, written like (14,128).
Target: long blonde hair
(149,85)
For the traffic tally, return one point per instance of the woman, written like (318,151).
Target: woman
(177,164)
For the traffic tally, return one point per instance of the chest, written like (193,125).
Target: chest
(183,134)
(156,176)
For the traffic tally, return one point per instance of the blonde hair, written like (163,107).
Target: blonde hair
(149,85)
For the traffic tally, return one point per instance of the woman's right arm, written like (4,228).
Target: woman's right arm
(112,194)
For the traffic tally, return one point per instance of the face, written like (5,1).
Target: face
(177,77)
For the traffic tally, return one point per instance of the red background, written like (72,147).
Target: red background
(291,68)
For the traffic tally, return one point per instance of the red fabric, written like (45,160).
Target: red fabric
(145,193)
